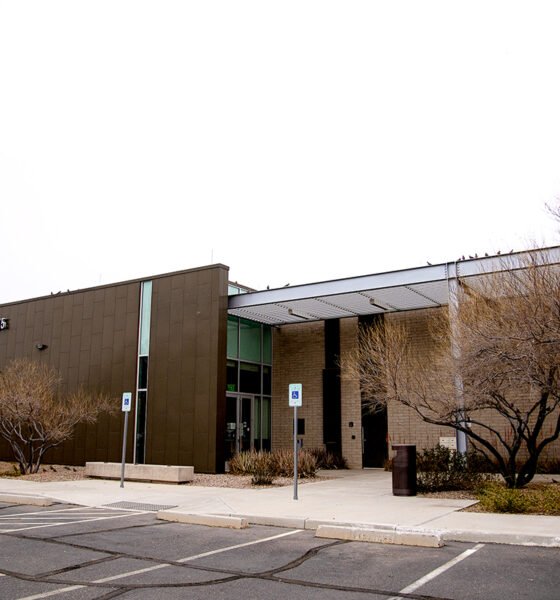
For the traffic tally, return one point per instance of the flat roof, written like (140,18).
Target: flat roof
(407,289)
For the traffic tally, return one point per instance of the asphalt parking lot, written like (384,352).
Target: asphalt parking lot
(71,552)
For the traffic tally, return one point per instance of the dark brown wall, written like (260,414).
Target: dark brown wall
(92,339)
(186,376)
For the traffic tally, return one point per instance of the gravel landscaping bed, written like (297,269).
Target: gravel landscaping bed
(70,473)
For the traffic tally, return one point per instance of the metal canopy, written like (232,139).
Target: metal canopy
(409,289)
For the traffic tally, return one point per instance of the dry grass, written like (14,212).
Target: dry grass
(537,498)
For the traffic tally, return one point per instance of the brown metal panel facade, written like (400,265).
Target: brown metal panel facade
(88,343)
(92,339)
(186,378)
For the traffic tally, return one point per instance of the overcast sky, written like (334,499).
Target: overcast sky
(293,141)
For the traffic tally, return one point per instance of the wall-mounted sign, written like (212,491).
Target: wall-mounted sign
(448,442)
(4,323)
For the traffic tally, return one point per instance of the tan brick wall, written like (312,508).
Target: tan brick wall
(299,357)
(351,403)
(406,427)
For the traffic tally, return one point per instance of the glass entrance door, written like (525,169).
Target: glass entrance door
(239,423)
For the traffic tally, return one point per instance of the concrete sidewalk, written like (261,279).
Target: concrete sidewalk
(355,500)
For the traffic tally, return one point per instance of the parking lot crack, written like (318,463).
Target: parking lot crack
(88,563)
(356,590)
(304,557)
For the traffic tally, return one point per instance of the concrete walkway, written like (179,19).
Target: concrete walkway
(351,499)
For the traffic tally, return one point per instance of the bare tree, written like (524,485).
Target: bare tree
(35,416)
(502,387)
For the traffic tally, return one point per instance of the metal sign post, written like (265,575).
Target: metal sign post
(126,405)
(295,399)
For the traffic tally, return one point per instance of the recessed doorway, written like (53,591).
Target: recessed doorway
(374,439)
(247,423)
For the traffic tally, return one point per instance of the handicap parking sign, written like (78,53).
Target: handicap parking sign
(126,401)
(295,394)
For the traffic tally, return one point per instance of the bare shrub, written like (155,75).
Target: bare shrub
(35,416)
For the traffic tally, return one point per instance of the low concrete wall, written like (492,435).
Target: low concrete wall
(159,473)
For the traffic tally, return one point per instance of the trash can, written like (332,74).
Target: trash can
(404,470)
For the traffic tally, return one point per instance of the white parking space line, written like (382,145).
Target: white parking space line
(89,520)
(197,556)
(53,593)
(436,572)
(268,539)
(43,512)
(162,566)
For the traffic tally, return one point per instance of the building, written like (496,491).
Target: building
(209,362)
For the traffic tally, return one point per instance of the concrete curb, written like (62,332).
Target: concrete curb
(288,522)
(401,536)
(23,499)
(230,522)
(316,523)
(303,522)
(365,532)
(495,537)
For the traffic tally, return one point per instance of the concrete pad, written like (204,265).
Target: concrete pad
(23,499)
(354,499)
(404,537)
(201,519)
(531,530)
(497,537)
(156,473)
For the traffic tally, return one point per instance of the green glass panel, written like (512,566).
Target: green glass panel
(265,422)
(143,373)
(231,381)
(257,423)
(249,340)
(145,318)
(250,376)
(267,344)
(232,337)
(267,380)
(141,402)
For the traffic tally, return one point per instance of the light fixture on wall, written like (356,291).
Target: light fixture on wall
(40,346)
